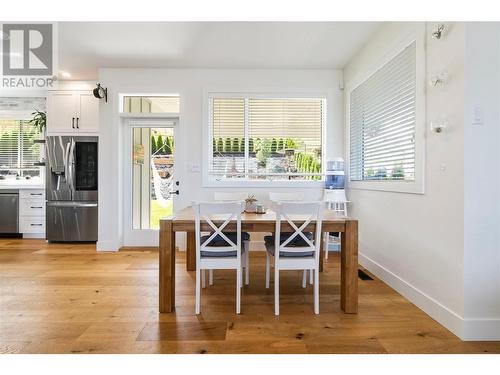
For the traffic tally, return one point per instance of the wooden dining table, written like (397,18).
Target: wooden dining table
(184,221)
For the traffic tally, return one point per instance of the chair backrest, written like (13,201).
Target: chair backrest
(298,215)
(286,197)
(217,215)
(230,197)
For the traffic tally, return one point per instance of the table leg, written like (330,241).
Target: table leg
(167,266)
(349,268)
(321,252)
(190,252)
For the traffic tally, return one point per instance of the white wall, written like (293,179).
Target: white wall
(482,181)
(61,85)
(191,84)
(418,243)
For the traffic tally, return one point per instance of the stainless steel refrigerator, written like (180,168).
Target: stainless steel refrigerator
(71,188)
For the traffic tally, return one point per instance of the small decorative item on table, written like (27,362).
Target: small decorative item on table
(260,209)
(251,204)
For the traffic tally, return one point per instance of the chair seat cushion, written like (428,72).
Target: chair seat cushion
(221,242)
(296,242)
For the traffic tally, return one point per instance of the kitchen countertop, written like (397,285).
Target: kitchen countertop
(21,184)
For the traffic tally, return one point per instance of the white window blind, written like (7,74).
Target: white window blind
(18,152)
(297,119)
(382,122)
(266,138)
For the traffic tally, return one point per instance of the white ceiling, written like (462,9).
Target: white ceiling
(86,46)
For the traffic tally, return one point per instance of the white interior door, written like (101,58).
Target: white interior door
(150,181)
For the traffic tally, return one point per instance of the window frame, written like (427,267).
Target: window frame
(20,117)
(210,181)
(417,186)
(146,115)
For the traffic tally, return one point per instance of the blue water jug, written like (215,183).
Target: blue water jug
(335,175)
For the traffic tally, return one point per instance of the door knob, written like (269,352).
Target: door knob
(174,192)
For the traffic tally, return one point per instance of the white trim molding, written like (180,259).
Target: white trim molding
(465,329)
(108,246)
(418,185)
(209,93)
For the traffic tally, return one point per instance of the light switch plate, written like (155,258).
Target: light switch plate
(478,116)
(195,168)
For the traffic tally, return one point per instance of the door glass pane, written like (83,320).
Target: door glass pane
(86,166)
(151,104)
(152,175)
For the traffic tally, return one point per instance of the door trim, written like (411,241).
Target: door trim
(140,237)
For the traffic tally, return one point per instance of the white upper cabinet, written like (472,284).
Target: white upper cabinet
(72,112)
(61,111)
(88,115)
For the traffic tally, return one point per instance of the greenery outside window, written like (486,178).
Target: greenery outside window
(266,138)
(18,150)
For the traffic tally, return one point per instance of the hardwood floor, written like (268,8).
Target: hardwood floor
(60,298)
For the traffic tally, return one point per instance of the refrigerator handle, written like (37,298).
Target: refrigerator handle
(71,166)
(66,164)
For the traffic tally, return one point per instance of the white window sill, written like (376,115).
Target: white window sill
(264,184)
(409,187)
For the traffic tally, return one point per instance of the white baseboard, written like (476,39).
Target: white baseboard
(257,246)
(34,235)
(448,318)
(465,329)
(481,330)
(107,246)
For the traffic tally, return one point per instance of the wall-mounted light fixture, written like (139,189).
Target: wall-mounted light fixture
(101,92)
(439,32)
(440,79)
(440,124)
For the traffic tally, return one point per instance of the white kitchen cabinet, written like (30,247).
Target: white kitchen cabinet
(72,113)
(61,111)
(32,213)
(88,115)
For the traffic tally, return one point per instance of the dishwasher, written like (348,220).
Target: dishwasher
(9,211)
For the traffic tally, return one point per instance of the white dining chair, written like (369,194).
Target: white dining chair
(245,236)
(291,197)
(286,197)
(297,250)
(230,196)
(336,201)
(218,250)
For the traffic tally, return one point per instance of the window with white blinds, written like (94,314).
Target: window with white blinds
(383,122)
(266,138)
(18,151)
